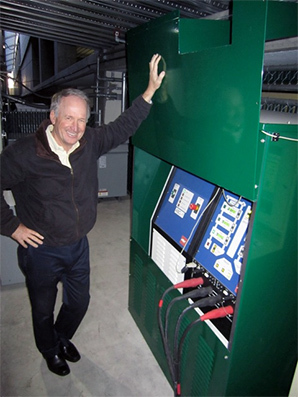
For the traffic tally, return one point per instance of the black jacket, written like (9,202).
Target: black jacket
(58,202)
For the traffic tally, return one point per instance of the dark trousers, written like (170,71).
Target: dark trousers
(44,267)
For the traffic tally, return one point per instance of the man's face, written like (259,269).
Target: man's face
(69,126)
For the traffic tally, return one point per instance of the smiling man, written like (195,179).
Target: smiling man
(53,177)
(69,123)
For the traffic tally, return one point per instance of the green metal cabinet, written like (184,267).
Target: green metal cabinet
(206,120)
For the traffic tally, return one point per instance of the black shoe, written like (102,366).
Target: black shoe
(69,352)
(58,365)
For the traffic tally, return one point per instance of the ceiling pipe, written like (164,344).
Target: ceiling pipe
(117,38)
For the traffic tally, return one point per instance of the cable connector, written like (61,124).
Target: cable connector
(191,265)
(218,313)
(190,283)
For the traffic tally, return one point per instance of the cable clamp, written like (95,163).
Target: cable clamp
(275,136)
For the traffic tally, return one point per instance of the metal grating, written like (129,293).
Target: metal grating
(136,283)
(279,105)
(197,365)
(93,23)
(204,365)
(18,124)
(149,303)
(280,80)
(280,87)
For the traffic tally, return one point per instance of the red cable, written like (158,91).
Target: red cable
(191,283)
(217,313)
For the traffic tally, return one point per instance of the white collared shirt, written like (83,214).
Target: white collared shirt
(59,150)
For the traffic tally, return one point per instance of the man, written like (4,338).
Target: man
(53,177)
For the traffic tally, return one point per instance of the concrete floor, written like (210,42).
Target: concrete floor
(116,360)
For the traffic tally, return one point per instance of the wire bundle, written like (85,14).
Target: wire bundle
(173,356)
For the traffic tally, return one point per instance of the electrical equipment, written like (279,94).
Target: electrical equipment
(181,206)
(220,254)
(199,229)
(205,120)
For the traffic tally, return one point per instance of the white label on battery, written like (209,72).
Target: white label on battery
(237,265)
(225,223)
(185,200)
(239,234)
(194,214)
(232,211)
(174,193)
(103,193)
(220,236)
(224,267)
(216,250)
(179,212)
(167,258)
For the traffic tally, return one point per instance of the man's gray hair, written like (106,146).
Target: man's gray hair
(56,99)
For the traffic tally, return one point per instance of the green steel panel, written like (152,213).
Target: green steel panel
(215,33)
(150,174)
(282,20)
(264,350)
(205,116)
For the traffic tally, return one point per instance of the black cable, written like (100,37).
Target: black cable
(191,283)
(170,364)
(210,301)
(197,293)
(212,314)
(178,382)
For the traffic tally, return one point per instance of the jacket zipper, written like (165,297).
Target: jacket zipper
(74,203)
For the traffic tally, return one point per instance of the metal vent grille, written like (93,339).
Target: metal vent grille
(281,80)
(278,105)
(280,88)
(150,307)
(17,124)
(136,284)
(197,369)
